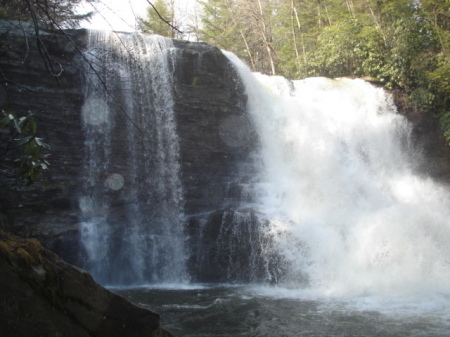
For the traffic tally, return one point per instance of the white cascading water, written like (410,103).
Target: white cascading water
(347,210)
(132,210)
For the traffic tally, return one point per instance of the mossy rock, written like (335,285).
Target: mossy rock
(43,296)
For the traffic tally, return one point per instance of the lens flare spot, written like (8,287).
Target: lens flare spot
(95,112)
(115,182)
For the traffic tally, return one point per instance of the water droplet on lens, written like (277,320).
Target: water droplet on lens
(115,181)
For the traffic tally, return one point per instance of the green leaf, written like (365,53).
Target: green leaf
(41,143)
(23,141)
(22,120)
(33,125)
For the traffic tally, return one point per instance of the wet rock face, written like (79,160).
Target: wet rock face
(233,249)
(215,138)
(427,138)
(215,134)
(217,141)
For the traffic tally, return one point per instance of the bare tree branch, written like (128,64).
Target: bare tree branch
(15,83)
(48,61)
(164,20)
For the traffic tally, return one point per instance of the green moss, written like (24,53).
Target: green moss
(26,252)
(24,256)
(27,256)
(194,81)
(4,249)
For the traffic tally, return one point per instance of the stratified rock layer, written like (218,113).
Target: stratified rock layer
(216,140)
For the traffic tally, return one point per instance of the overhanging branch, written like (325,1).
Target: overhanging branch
(164,20)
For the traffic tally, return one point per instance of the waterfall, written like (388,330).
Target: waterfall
(326,196)
(339,196)
(131,204)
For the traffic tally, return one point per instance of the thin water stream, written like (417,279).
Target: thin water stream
(131,202)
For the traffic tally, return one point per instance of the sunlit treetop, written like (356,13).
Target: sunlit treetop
(44,13)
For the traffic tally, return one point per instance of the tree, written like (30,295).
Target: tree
(220,25)
(243,27)
(160,19)
(44,13)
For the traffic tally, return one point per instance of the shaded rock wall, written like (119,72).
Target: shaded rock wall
(216,141)
(47,212)
(427,138)
(44,296)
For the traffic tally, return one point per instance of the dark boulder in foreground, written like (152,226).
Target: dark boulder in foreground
(41,295)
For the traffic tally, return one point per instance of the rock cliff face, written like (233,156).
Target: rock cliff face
(47,212)
(216,142)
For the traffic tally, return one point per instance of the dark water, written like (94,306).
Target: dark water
(217,311)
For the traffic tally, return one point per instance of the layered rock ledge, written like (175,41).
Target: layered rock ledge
(41,295)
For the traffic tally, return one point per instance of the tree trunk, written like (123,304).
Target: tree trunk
(266,40)
(294,9)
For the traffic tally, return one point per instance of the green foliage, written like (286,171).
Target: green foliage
(422,98)
(194,81)
(348,48)
(219,27)
(18,136)
(45,13)
(153,24)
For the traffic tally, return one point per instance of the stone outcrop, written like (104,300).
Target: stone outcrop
(41,295)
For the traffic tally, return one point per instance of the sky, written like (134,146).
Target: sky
(120,15)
